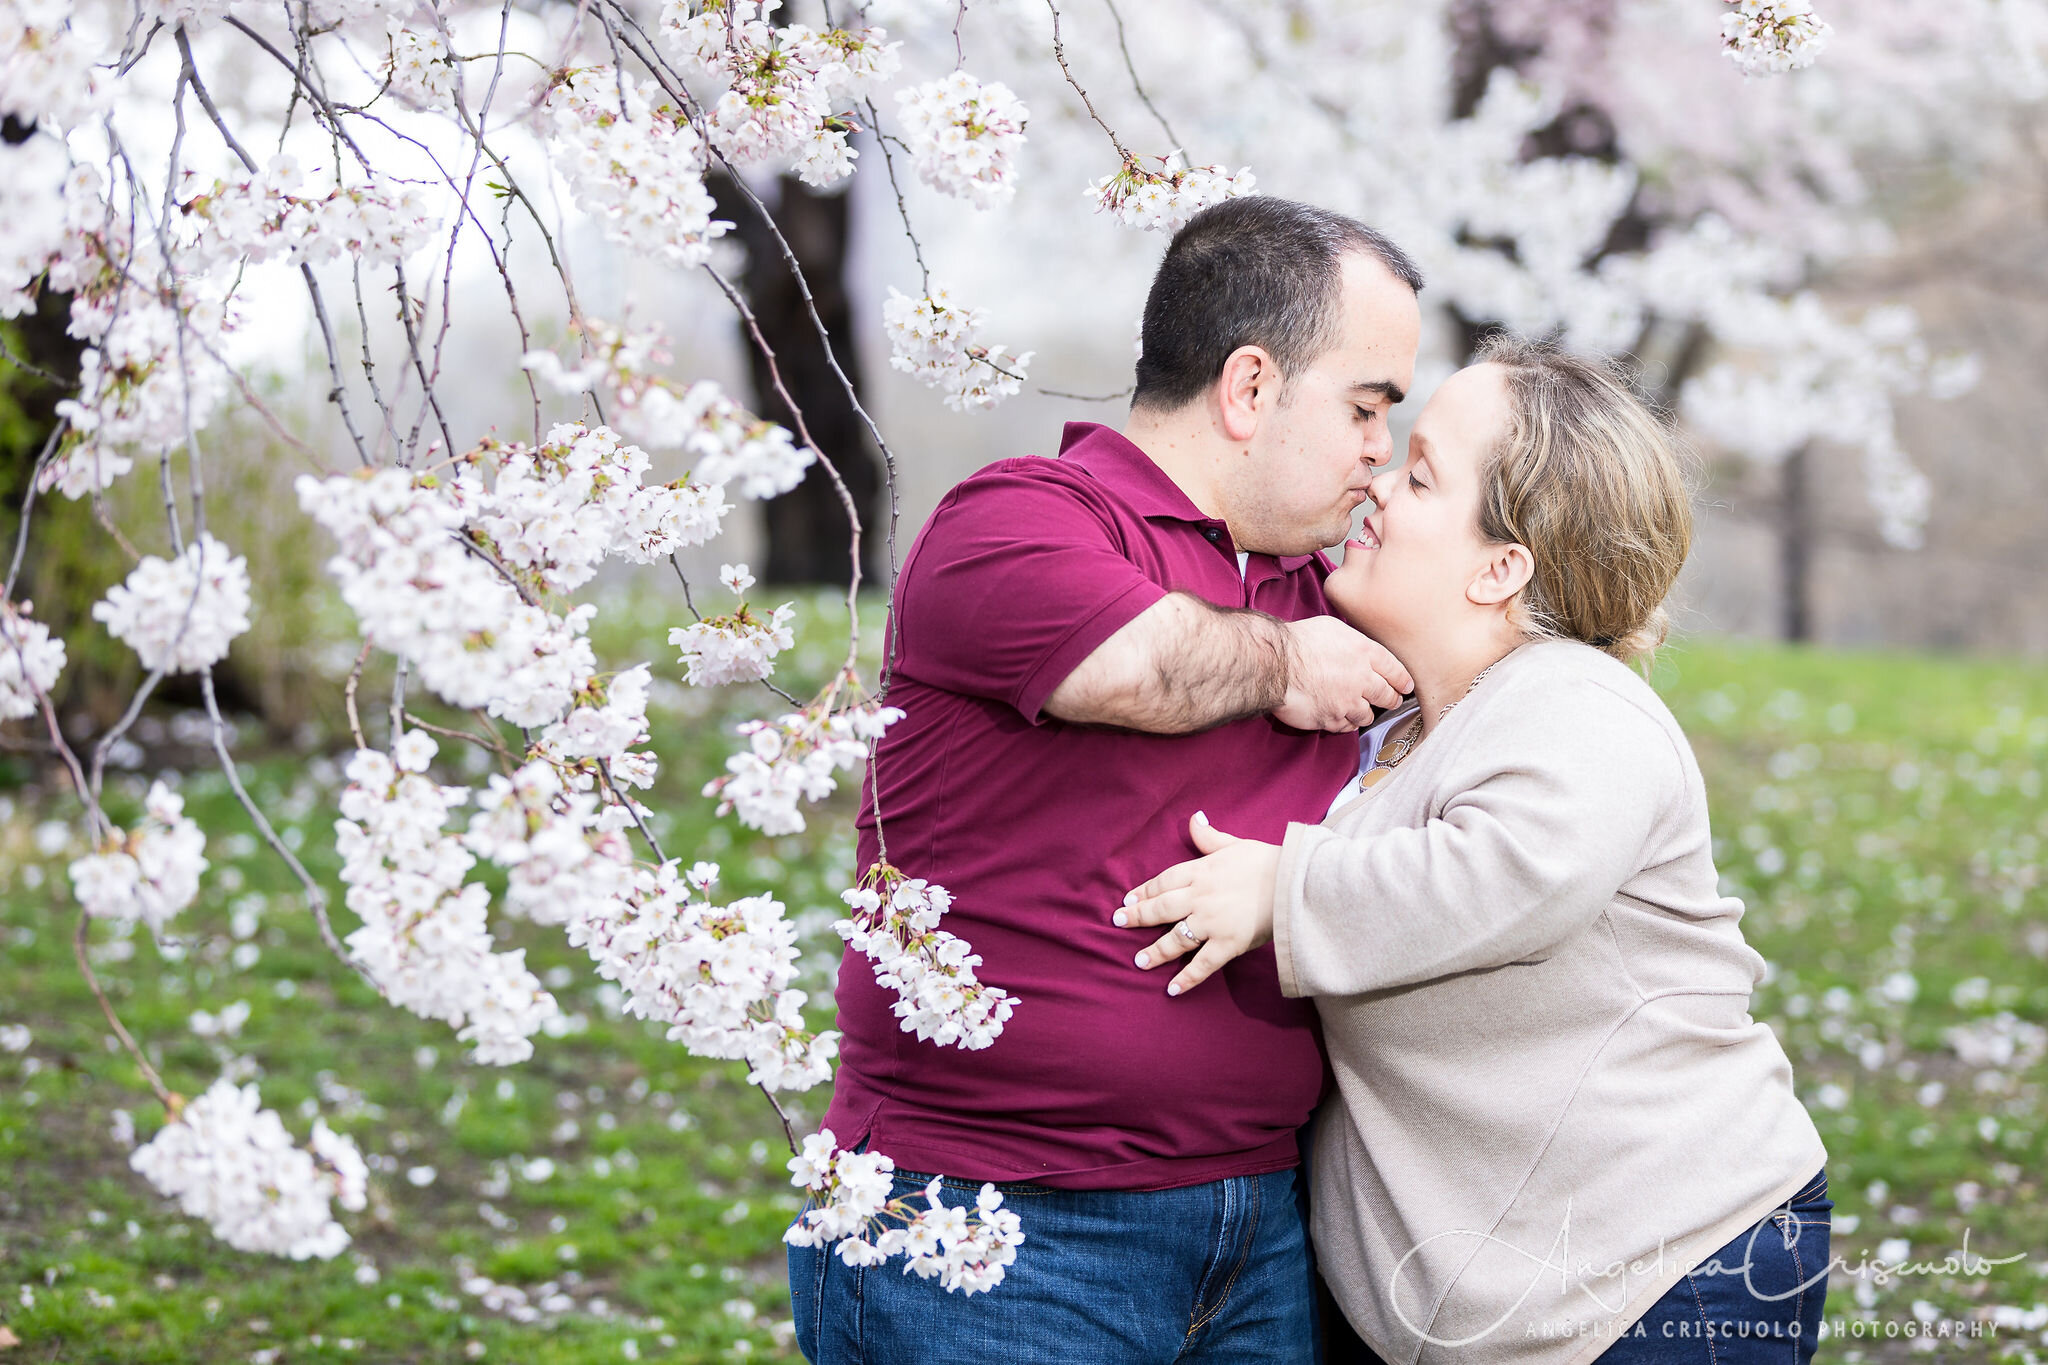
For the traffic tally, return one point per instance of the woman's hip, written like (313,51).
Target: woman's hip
(1757,1299)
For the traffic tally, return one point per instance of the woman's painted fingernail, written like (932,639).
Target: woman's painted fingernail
(1173,990)
(1119,918)
(1130,898)
(1203,816)
(1142,962)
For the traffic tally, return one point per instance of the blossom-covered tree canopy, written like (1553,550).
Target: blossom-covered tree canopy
(1604,171)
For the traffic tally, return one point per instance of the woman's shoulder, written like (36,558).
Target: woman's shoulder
(1568,691)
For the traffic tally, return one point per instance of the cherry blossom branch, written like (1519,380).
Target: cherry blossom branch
(839,487)
(1132,67)
(1059,53)
(92,981)
(348,695)
(337,394)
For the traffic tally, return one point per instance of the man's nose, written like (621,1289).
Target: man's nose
(1379,448)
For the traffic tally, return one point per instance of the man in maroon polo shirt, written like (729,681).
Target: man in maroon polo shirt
(1090,649)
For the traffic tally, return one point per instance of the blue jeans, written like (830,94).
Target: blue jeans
(1213,1272)
(1763,1303)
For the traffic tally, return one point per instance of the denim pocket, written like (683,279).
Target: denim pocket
(1768,1286)
(1814,1197)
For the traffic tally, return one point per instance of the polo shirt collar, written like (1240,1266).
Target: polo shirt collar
(1110,456)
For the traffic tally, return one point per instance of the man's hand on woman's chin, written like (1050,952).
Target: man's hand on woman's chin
(1336,676)
(1225,897)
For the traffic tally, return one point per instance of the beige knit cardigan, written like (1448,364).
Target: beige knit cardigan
(1551,1099)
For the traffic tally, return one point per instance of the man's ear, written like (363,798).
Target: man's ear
(1246,390)
(1507,570)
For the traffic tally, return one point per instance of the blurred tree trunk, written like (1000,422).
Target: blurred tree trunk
(1795,546)
(808,536)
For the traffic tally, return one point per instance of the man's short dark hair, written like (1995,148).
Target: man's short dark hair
(1252,271)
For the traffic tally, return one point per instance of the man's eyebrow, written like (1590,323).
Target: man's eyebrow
(1382,388)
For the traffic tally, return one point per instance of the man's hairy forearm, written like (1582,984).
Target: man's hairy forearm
(1183,664)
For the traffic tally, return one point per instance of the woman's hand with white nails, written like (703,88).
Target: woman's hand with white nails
(1225,897)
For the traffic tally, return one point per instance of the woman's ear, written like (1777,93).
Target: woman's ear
(1248,386)
(1507,570)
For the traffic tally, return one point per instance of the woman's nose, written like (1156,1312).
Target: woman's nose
(1381,485)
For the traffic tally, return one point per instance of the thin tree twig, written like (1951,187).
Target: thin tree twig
(1090,397)
(348,696)
(1059,53)
(170,1101)
(1136,84)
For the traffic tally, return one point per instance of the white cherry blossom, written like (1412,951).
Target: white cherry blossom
(149,873)
(894,921)
(940,343)
(1163,200)
(736,647)
(965,136)
(30,660)
(228,1160)
(180,615)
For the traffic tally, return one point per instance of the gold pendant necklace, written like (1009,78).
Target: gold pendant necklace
(1385,763)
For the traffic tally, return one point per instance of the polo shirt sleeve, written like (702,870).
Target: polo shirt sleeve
(1018,576)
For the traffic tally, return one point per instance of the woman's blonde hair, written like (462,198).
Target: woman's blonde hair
(1591,481)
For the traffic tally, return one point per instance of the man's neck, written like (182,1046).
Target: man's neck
(1186,449)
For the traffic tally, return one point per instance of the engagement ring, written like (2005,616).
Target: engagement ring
(1185,932)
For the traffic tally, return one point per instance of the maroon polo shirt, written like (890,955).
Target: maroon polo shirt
(1037,827)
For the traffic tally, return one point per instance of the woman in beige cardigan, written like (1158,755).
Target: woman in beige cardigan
(1557,1134)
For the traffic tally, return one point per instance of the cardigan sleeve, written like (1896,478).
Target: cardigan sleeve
(1547,811)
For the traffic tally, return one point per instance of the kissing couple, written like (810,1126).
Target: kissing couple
(1376,996)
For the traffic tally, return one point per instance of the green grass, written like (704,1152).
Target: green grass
(1881,815)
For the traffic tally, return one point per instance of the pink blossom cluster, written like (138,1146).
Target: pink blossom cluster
(272,216)
(635,162)
(781,85)
(34,217)
(30,660)
(738,646)
(180,615)
(940,343)
(1164,200)
(796,759)
(553,513)
(150,373)
(718,976)
(562,848)
(894,921)
(850,1205)
(727,446)
(47,67)
(148,873)
(1765,37)
(424,938)
(420,67)
(965,135)
(228,1160)
(136,390)
(434,568)
(608,719)
(418,589)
